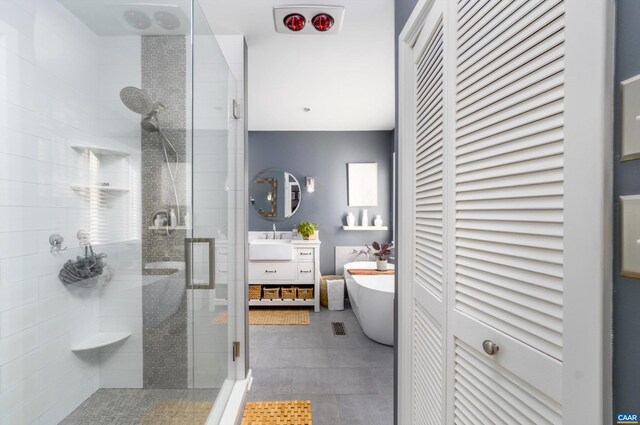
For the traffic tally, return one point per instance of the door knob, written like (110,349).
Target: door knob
(490,347)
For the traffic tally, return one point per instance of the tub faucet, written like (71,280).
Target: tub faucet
(365,252)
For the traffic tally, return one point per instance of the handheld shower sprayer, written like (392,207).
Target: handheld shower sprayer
(138,101)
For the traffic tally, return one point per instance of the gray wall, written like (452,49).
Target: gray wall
(324,155)
(626,295)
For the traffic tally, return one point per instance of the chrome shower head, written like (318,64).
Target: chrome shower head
(137,100)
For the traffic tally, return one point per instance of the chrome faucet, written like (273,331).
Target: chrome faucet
(367,252)
(274,230)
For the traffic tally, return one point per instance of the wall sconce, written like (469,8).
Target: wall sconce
(311,184)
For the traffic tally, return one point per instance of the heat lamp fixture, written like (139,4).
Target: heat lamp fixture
(295,22)
(308,19)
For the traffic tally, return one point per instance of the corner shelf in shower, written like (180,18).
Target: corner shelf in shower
(99,340)
(99,151)
(104,189)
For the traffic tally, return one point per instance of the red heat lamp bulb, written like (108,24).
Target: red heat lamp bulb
(295,21)
(322,22)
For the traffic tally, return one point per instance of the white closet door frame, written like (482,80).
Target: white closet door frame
(586,369)
(588,204)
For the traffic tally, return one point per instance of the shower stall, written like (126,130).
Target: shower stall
(122,213)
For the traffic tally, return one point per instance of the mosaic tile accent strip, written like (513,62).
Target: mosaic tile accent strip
(164,303)
(165,340)
(164,78)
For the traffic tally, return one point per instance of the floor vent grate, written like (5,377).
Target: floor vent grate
(338,328)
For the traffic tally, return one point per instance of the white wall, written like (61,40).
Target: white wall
(57,90)
(121,300)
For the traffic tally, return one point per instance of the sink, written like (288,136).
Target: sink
(271,249)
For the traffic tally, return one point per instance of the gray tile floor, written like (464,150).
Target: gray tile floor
(349,379)
(128,406)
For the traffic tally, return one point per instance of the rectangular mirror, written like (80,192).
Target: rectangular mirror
(363,184)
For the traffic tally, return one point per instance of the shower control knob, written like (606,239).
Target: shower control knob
(490,347)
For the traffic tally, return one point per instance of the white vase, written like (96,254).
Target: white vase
(351,220)
(377,221)
(381,265)
(365,219)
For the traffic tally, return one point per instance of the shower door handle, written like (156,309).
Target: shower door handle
(188,258)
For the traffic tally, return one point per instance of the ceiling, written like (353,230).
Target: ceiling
(347,80)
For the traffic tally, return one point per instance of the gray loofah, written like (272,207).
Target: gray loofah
(85,270)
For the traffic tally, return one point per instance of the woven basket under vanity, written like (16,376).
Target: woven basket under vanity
(305,293)
(255,292)
(271,293)
(289,293)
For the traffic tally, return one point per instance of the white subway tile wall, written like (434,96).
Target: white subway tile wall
(59,86)
(59,89)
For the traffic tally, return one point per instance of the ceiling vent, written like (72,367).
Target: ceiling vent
(308,19)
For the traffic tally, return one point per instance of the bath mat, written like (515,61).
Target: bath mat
(271,316)
(290,412)
(177,412)
(365,272)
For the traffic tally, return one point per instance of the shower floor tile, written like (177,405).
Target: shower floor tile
(137,406)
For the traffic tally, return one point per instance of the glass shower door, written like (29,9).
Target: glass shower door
(214,246)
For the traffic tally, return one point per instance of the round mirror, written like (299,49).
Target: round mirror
(274,194)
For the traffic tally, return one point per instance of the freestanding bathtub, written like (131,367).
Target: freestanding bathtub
(372,301)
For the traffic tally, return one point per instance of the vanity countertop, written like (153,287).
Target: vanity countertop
(254,235)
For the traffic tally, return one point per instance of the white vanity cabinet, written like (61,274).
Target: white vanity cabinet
(302,271)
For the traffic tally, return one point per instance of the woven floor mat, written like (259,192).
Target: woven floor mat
(271,316)
(290,412)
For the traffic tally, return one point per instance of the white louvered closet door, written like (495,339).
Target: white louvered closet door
(507,282)
(428,325)
(504,257)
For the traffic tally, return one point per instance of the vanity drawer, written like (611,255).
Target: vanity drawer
(272,271)
(305,271)
(304,254)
